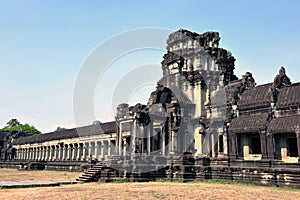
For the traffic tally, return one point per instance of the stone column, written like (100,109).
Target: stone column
(84,151)
(298,141)
(23,154)
(74,150)
(30,153)
(69,152)
(42,153)
(263,143)
(46,153)
(51,153)
(120,139)
(270,147)
(78,151)
(26,154)
(141,139)
(56,152)
(64,153)
(163,139)
(153,146)
(61,152)
(33,153)
(102,149)
(37,153)
(213,139)
(124,147)
(18,154)
(109,148)
(96,150)
(233,149)
(172,142)
(149,138)
(89,150)
(133,137)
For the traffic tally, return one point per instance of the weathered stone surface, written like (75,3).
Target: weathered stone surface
(200,123)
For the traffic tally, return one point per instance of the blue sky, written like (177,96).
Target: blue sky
(44,43)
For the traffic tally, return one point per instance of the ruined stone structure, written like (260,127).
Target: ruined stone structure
(201,122)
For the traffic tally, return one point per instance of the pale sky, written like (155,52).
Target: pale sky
(43,45)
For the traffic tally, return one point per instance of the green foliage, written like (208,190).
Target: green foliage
(218,181)
(160,181)
(14,125)
(229,54)
(96,122)
(60,129)
(119,180)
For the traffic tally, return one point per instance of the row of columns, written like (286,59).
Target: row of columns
(146,139)
(267,145)
(73,152)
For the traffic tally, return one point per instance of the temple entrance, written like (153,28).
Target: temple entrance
(255,146)
(292,150)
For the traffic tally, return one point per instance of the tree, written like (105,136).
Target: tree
(60,129)
(229,54)
(96,122)
(14,125)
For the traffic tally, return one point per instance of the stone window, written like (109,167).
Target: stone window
(255,147)
(221,144)
(292,150)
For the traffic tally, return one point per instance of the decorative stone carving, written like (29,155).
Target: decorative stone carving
(183,45)
(141,113)
(122,110)
(247,82)
(194,77)
(281,80)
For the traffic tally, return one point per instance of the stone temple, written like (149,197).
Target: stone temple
(202,122)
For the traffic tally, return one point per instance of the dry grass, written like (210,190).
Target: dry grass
(16,175)
(154,190)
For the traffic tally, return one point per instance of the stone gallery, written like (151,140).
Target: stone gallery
(202,122)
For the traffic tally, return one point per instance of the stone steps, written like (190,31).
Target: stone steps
(91,174)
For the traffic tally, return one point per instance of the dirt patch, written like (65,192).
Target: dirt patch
(152,190)
(43,175)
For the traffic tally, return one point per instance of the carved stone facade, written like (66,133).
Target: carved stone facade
(201,122)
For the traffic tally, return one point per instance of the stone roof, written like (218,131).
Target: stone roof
(103,128)
(231,90)
(254,97)
(286,124)
(2,135)
(289,96)
(249,124)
